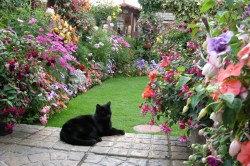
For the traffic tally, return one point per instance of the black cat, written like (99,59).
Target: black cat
(87,130)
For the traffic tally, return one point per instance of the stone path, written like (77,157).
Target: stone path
(31,145)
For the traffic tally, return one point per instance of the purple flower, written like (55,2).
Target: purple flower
(218,45)
(141,63)
(213,161)
(32,21)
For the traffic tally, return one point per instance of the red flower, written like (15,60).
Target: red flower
(81,67)
(244,155)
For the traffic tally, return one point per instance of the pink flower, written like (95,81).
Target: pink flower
(9,127)
(183,139)
(32,21)
(165,128)
(185,88)
(43,119)
(181,124)
(152,122)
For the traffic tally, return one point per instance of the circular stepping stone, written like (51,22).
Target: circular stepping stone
(147,128)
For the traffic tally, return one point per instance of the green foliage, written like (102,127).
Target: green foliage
(101,11)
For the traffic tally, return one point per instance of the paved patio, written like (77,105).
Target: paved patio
(31,145)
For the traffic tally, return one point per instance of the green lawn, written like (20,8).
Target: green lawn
(125,96)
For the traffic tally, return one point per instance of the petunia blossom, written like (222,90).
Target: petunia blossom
(218,45)
(232,86)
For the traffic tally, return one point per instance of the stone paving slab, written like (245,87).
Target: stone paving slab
(31,145)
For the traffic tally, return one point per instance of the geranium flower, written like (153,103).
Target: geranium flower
(148,92)
(218,45)
(232,86)
(231,70)
(153,75)
(244,155)
(32,21)
(165,128)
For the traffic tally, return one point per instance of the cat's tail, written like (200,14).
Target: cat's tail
(73,140)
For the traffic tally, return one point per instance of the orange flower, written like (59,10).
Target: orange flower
(244,155)
(231,70)
(153,75)
(215,95)
(163,64)
(244,51)
(148,92)
(233,86)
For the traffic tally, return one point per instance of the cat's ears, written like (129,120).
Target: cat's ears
(108,104)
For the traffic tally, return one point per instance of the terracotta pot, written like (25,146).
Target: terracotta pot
(147,44)
(195,138)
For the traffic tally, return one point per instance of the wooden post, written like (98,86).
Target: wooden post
(132,24)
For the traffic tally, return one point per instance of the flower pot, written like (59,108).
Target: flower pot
(195,138)
(147,44)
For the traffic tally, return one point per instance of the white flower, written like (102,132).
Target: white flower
(96,28)
(44,1)
(111,24)
(105,26)
(217,116)
(50,11)
(209,70)
(234,147)
(19,20)
(101,44)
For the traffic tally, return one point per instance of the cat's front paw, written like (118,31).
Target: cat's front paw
(121,132)
(99,139)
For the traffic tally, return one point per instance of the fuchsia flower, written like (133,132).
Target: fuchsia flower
(9,127)
(181,124)
(43,119)
(213,161)
(183,139)
(185,88)
(165,128)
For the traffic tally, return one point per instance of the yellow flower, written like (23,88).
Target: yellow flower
(56,30)
(55,17)
(159,39)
